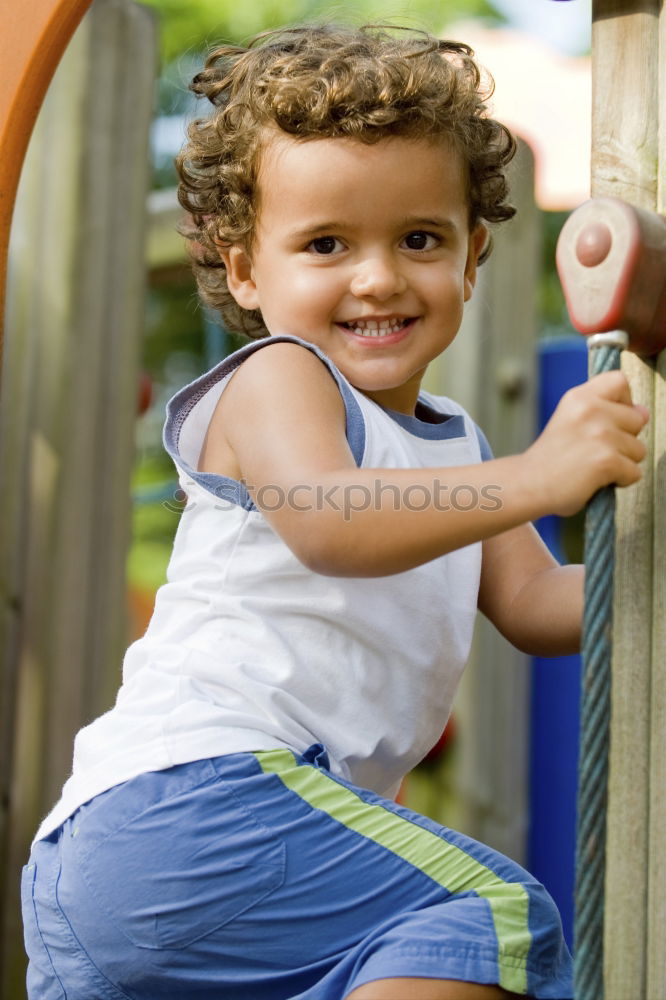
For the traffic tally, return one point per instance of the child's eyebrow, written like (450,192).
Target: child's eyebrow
(430,222)
(320,228)
(411,222)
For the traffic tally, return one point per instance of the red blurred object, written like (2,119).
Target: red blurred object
(145,393)
(442,744)
(140,606)
(611,258)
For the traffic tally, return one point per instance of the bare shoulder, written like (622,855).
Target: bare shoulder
(277,369)
(281,392)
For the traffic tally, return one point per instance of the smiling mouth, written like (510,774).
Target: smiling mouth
(376,327)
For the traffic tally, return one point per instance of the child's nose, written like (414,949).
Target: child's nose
(377,278)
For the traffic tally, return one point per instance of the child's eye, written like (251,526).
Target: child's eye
(420,240)
(325,245)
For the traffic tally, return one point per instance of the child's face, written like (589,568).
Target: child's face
(365,251)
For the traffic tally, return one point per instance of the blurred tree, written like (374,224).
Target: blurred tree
(553,311)
(188,26)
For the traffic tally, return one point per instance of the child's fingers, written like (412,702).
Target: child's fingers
(632,447)
(628,472)
(617,458)
(632,418)
(611,385)
(606,396)
(615,442)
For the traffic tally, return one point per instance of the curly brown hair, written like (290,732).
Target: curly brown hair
(318,81)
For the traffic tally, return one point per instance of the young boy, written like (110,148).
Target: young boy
(228,830)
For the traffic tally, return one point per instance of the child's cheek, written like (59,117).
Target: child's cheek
(309,288)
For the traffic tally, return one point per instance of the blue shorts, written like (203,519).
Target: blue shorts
(263,877)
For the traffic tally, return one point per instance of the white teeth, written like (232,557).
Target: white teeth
(375,328)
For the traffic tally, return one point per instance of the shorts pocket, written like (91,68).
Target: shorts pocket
(182,867)
(42,981)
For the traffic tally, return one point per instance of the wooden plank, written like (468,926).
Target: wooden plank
(123,280)
(656,913)
(86,635)
(624,165)
(34,37)
(16,398)
(79,236)
(490,369)
(36,316)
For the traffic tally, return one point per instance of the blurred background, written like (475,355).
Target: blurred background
(104,325)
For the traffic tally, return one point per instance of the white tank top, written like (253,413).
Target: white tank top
(248,650)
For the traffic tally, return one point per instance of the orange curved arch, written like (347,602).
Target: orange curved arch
(35,35)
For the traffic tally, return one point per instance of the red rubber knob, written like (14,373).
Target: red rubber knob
(593,244)
(611,259)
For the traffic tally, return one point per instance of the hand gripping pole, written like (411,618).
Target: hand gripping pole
(611,258)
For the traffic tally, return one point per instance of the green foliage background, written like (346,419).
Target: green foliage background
(192,25)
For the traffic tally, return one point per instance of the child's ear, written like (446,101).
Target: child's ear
(477,241)
(240,279)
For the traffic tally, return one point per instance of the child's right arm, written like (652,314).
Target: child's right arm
(281,423)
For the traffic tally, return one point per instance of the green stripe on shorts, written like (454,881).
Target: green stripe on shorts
(449,866)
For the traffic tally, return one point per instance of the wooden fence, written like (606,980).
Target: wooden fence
(68,406)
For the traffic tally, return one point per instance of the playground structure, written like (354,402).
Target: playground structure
(628,103)
(74,319)
(625,164)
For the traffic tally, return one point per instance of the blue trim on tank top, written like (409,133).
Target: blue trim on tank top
(449,425)
(440,426)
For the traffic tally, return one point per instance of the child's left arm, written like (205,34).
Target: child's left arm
(532,600)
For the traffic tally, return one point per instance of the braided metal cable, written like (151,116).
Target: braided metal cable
(594,725)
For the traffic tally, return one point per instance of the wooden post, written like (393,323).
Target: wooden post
(624,164)
(68,411)
(34,36)
(656,913)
